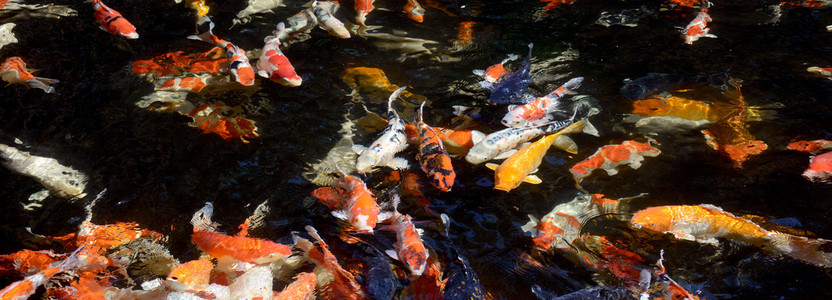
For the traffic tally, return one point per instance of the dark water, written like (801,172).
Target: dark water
(158,171)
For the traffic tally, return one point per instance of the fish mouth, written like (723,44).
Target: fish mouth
(131,36)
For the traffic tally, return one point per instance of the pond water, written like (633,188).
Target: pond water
(157,170)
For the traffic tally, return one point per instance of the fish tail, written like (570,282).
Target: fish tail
(510,57)
(205,36)
(814,251)
(763,112)
(572,85)
(421,110)
(43,83)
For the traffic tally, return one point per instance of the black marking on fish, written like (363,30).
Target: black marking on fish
(109,20)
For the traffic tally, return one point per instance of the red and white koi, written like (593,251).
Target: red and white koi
(409,247)
(341,284)
(14,71)
(501,143)
(274,65)
(414,11)
(516,169)
(391,141)
(609,157)
(328,22)
(362,9)
(814,146)
(303,288)
(238,64)
(112,21)
(357,204)
(704,223)
(820,168)
(494,73)
(822,72)
(537,111)
(698,28)
(432,156)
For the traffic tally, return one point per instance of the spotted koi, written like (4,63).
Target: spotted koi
(274,65)
(341,284)
(238,63)
(609,157)
(329,23)
(391,141)
(507,139)
(14,71)
(698,28)
(112,21)
(432,156)
(537,111)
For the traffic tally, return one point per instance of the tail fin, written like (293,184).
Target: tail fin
(42,83)
(569,88)
(205,36)
(763,112)
(814,251)
(510,58)
(202,218)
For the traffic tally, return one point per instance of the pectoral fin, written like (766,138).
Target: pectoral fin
(263,73)
(533,179)
(506,154)
(566,143)
(398,163)
(392,254)
(358,149)
(492,166)
(479,72)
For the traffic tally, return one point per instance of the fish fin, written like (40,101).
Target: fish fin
(635,164)
(392,254)
(479,72)
(398,163)
(446,221)
(512,107)
(531,226)
(385,215)
(590,129)
(709,35)
(42,83)
(686,236)
(492,166)
(263,74)
(102,28)
(566,143)
(533,179)
(358,149)
(611,171)
(477,136)
(533,171)
(511,57)
(339,214)
(506,154)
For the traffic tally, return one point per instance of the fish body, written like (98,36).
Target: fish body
(329,23)
(609,157)
(504,140)
(238,64)
(362,9)
(820,168)
(303,288)
(414,11)
(814,146)
(391,141)
(680,106)
(276,66)
(822,72)
(432,156)
(195,274)
(537,111)
(13,70)
(341,284)
(513,87)
(358,205)
(698,28)
(246,249)
(516,169)
(409,247)
(458,141)
(112,21)
(494,73)
(704,223)
(654,83)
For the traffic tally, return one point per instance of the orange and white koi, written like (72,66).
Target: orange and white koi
(14,71)
(822,72)
(432,156)
(245,249)
(704,223)
(414,11)
(195,274)
(391,141)
(429,285)
(609,157)
(409,247)
(341,284)
(698,28)
(303,288)
(28,262)
(328,22)
(362,9)
(814,146)
(516,169)
(503,141)
(26,287)
(274,65)
(238,63)
(358,205)
(494,73)
(458,141)
(112,21)
(537,111)
(820,168)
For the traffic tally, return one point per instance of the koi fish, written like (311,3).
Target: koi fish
(704,223)
(820,168)
(516,169)
(500,144)
(238,63)
(429,285)
(14,71)
(195,274)
(391,141)
(274,65)
(814,146)
(458,141)
(328,22)
(414,11)
(409,247)
(494,73)
(698,28)
(537,111)
(653,83)
(822,72)
(245,249)
(111,21)
(609,157)
(432,156)
(362,9)
(341,284)
(303,288)
(353,202)
(513,87)
(6,35)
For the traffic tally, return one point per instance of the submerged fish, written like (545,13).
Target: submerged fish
(539,111)
(276,66)
(433,158)
(111,21)
(353,202)
(391,141)
(698,28)
(610,157)
(653,83)
(14,71)
(512,88)
(494,73)
(704,223)
(814,146)
(238,63)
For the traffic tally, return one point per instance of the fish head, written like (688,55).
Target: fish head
(416,262)
(507,181)
(476,156)
(244,75)
(124,28)
(286,79)
(363,223)
(653,218)
(633,90)
(367,162)
(513,119)
(651,107)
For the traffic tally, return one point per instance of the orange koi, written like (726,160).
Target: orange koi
(704,223)
(537,112)
(414,11)
(28,262)
(822,72)
(409,247)
(432,156)
(458,141)
(516,169)
(552,4)
(375,82)
(177,63)
(274,65)
(820,168)
(609,157)
(495,72)
(465,34)
(814,146)
(358,205)
(14,71)
(223,120)
(362,9)
(303,288)
(238,64)
(112,21)
(698,28)
(24,288)
(246,249)
(679,106)
(341,284)
(195,274)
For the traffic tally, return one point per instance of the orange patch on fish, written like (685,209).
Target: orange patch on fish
(332,197)
(177,63)
(433,158)
(246,249)
(609,157)
(820,168)
(225,121)
(28,262)
(303,288)
(195,274)
(810,146)
(458,141)
(414,11)
(464,33)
